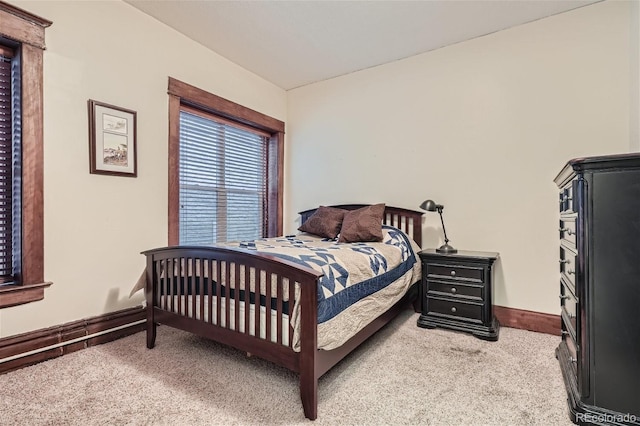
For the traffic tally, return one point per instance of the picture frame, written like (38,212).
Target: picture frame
(112,140)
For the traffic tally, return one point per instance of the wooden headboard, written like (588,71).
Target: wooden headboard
(408,221)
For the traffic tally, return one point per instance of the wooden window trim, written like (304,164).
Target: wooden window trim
(28,30)
(182,94)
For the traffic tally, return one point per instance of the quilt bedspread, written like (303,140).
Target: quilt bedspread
(352,271)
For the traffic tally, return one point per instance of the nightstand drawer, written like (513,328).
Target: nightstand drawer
(455,271)
(455,289)
(458,309)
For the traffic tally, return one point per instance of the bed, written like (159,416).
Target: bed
(289,300)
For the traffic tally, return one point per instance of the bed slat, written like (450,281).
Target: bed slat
(292,295)
(267,303)
(192,285)
(210,263)
(203,281)
(218,292)
(247,280)
(256,311)
(236,299)
(279,310)
(227,297)
(180,283)
(171,267)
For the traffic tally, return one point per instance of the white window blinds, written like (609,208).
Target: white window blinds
(9,166)
(223,169)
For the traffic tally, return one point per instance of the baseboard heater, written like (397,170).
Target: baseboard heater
(40,345)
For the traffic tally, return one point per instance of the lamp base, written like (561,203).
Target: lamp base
(446,248)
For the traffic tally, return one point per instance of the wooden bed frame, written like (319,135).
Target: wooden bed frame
(310,363)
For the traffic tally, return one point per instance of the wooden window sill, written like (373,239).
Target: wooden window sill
(14,295)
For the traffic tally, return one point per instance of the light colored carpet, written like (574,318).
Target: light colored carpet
(402,375)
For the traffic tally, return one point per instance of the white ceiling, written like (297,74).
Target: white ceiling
(293,43)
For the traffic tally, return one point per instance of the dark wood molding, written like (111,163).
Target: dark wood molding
(41,345)
(275,185)
(202,99)
(14,295)
(32,167)
(185,96)
(528,320)
(22,26)
(174,171)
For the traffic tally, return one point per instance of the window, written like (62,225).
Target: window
(225,169)
(21,157)
(223,177)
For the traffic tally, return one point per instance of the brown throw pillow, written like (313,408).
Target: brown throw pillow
(364,224)
(325,222)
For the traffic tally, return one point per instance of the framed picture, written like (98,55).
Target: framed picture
(112,140)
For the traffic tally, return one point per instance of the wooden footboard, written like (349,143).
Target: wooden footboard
(239,298)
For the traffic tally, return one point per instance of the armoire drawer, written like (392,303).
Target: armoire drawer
(573,351)
(568,265)
(568,230)
(569,308)
(566,199)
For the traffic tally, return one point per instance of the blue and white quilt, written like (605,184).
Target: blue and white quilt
(361,280)
(351,270)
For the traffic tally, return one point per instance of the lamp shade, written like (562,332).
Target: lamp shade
(429,206)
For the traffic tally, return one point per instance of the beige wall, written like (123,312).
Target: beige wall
(482,127)
(95,225)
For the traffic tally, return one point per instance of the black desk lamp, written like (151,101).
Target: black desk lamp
(431,206)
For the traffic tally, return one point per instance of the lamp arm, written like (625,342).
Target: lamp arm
(446,240)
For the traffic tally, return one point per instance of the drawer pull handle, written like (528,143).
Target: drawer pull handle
(569,231)
(453,273)
(571,272)
(563,296)
(567,261)
(454,310)
(453,290)
(565,333)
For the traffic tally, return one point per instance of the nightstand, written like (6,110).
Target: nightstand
(457,292)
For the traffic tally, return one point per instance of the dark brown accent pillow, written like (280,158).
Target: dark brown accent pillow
(325,222)
(364,224)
